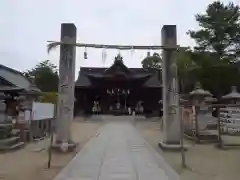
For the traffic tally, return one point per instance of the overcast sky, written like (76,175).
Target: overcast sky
(26,25)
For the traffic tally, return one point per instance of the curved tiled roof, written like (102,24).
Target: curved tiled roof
(149,77)
(17,79)
(154,79)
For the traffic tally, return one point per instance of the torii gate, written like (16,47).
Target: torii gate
(66,88)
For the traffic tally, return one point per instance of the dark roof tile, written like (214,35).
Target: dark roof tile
(153,81)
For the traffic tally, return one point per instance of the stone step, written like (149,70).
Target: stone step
(9,141)
(12,147)
(15,132)
(17,145)
(38,138)
(6,134)
(5,129)
(5,125)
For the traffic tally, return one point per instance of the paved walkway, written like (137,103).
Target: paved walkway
(117,152)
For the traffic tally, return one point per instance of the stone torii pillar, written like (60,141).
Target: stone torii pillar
(66,87)
(171,120)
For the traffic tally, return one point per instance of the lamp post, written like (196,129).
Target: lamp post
(198,96)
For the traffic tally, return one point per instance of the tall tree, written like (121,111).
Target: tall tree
(153,61)
(183,61)
(185,64)
(219,31)
(218,44)
(45,76)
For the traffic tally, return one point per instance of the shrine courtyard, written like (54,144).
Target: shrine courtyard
(106,143)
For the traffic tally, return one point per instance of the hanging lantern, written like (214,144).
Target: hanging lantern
(132,51)
(148,54)
(104,56)
(85,53)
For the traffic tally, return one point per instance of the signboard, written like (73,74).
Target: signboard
(42,111)
(230,120)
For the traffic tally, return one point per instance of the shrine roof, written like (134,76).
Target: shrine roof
(15,80)
(153,75)
(10,88)
(147,77)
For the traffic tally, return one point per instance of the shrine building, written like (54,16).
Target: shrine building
(115,89)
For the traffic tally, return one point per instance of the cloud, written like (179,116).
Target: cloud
(26,25)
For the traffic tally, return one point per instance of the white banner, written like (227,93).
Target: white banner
(42,111)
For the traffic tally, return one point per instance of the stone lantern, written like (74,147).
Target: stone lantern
(233,96)
(2,107)
(21,107)
(198,96)
(210,100)
(211,116)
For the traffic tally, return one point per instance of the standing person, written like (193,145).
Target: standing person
(98,107)
(141,109)
(133,113)
(160,108)
(94,108)
(118,105)
(129,110)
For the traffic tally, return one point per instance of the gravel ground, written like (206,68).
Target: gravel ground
(31,162)
(204,162)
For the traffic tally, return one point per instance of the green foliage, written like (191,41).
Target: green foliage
(218,45)
(218,79)
(45,76)
(215,75)
(49,97)
(184,63)
(184,60)
(153,61)
(219,31)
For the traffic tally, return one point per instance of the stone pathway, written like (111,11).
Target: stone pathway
(117,152)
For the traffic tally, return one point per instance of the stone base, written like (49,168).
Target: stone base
(227,146)
(171,147)
(95,118)
(139,118)
(71,146)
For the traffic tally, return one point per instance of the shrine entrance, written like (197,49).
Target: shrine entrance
(118,100)
(67,85)
(118,90)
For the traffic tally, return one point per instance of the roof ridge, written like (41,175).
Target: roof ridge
(11,69)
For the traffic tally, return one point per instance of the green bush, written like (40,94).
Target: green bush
(49,97)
